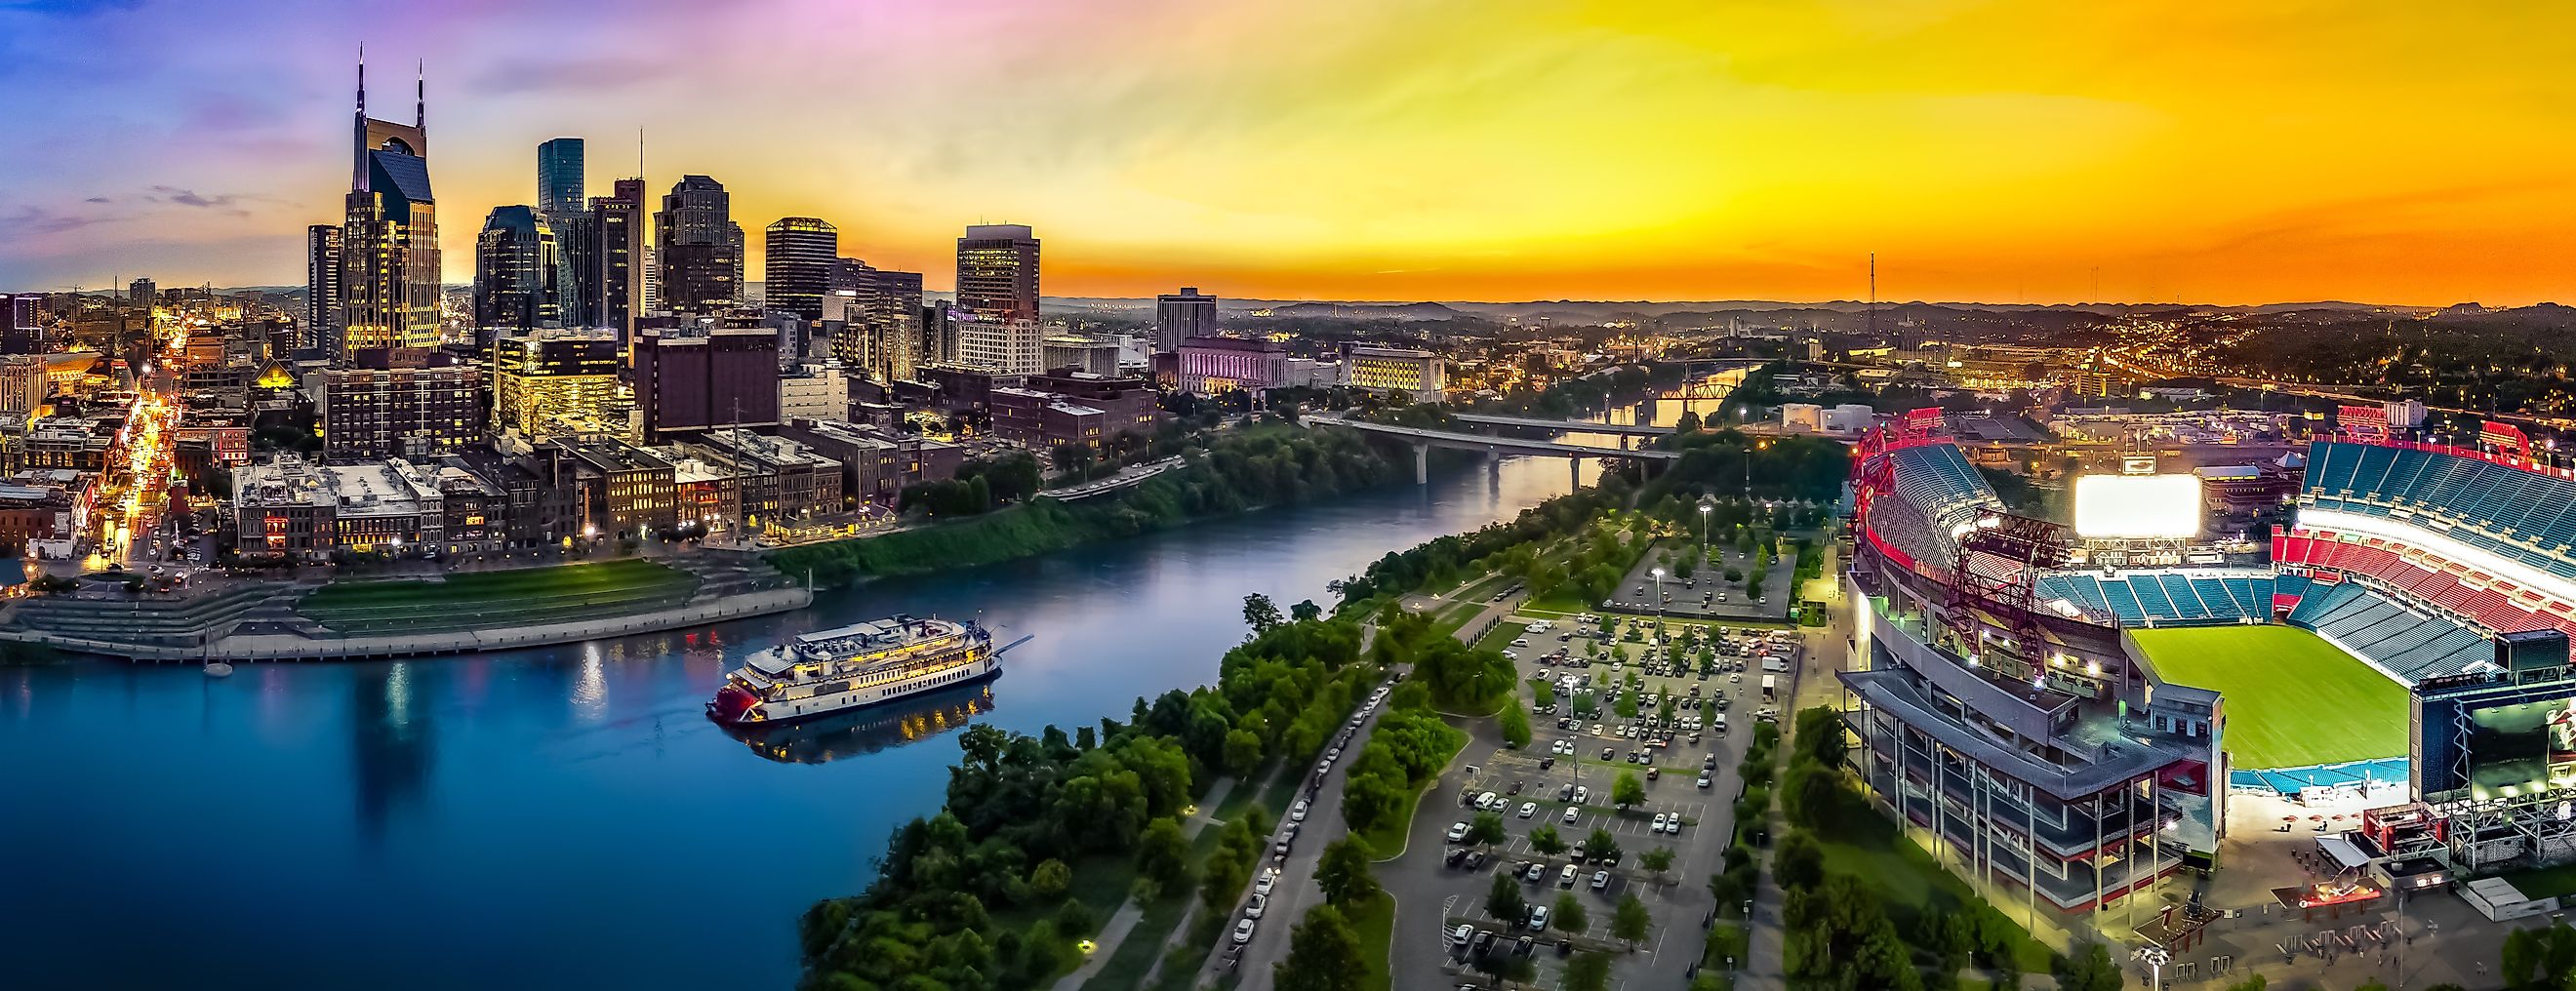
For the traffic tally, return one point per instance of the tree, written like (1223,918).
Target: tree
(1627,790)
(1545,840)
(1515,726)
(1800,861)
(1601,848)
(1242,752)
(1658,860)
(1323,955)
(1571,916)
(1485,829)
(1503,898)
(1260,613)
(2089,968)
(1050,879)
(1305,611)
(1343,872)
(1162,853)
(1629,921)
(1588,971)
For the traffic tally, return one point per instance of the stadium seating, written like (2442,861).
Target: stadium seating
(2169,598)
(1935,490)
(2407,641)
(2525,516)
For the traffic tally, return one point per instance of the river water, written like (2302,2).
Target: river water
(567,817)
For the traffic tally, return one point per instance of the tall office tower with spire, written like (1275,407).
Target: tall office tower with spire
(321,287)
(617,229)
(798,259)
(1181,316)
(698,247)
(997,299)
(515,266)
(389,264)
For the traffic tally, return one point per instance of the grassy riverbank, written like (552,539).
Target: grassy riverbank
(1259,465)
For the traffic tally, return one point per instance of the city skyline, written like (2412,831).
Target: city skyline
(2005,152)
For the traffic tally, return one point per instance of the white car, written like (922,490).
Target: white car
(1257,905)
(1520,642)
(1457,832)
(1600,880)
(1538,918)
(1582,794)
(1529,809)
(1488,801)
(1269,879)
(1659,823)
(1569,815)
(1297,812)
(1243,932)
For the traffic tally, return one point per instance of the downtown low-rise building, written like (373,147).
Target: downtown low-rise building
(308,511)
(877,464)
(1419,374)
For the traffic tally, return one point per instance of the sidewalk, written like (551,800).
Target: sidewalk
(1129,913)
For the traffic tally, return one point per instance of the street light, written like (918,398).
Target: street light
(1706,505)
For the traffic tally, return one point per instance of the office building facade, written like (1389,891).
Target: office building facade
(996,316)
(515,267)
(619,250)
(1419,374)
(1181,316)
(384,412)
(799,254)
(551,383)
(694,379)
(698,247)
(559,177)
(321,287)
(874,319)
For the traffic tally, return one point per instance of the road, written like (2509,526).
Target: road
(1296,891)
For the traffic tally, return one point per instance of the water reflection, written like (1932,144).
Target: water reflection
(391,745)
(872,729)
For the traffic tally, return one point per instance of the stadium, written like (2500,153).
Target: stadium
(2070,710)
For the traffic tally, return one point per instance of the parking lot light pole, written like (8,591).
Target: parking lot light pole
(1706,505)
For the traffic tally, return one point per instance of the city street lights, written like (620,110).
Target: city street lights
(1659,610)
(1706,505)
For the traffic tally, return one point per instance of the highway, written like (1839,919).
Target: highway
(1497,445)
(1570,426)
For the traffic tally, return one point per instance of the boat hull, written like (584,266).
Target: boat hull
(784,712)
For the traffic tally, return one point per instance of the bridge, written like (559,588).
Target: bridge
(1424,440)
(1582,426)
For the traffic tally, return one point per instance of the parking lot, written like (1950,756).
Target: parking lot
(1637,683)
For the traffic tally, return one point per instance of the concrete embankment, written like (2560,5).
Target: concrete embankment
(243,648)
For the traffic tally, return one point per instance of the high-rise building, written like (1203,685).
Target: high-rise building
(741,284)
(321,287)
(997,299)
(698,247)
(874,318)
(557,382)
(22,330)
(1179,317)
(389,264)
(689,379)
(515,266)
(798,259)
(559,177)
(617,224)
(142,294)
(577,268)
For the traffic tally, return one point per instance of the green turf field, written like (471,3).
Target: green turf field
(2292,699)
(489,599)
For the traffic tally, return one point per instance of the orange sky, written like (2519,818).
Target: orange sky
(1406,149)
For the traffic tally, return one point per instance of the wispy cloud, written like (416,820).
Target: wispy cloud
(38,221)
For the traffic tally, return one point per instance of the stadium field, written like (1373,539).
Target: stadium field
(2292,699)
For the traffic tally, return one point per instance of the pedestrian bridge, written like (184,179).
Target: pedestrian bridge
(1424,440)
(1571,426)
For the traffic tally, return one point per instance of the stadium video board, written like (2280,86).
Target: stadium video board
(2128,506)
(2500,734)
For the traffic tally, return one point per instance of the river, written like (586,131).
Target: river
(568,817)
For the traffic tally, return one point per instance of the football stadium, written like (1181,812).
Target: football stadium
(2070,709)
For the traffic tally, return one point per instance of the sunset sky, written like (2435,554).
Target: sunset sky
(1367,149)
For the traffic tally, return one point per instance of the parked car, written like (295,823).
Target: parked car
(1253,909)
(1243,932)
(1457,832)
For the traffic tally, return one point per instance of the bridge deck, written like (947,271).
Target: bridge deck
(1567,425)
(1500,445)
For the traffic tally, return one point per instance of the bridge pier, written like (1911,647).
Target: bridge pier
(1574,468)
(1493,469)
(1421,464)
(1623,442)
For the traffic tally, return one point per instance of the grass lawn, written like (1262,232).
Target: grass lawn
(492,598)
(2546,882)
(1501,639)
(1374,923)
(2293,699)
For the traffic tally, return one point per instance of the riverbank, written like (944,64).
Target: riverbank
(1254,467)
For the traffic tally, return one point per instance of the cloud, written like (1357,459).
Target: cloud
(39,221)
(97,199)
(542,74)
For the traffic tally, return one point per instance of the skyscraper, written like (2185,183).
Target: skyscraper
(997,298)
(874,317)
(800,253)
(321,287)
(697,245)
(617,225)
(141,294)
(515,266)
(1179,317)
(559,177)
(389,265)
